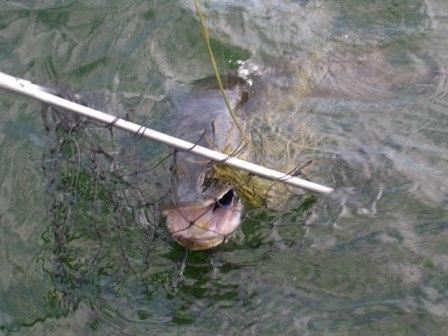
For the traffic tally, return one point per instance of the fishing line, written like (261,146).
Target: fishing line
(112,124)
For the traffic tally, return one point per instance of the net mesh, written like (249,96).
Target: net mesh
(108,189)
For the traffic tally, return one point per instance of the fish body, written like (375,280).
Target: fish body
(204,210)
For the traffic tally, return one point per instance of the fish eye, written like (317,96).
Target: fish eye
(225,200)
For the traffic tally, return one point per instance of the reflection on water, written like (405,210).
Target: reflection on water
(83,255)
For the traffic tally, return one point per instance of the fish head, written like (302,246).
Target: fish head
(205,224)
(204,209)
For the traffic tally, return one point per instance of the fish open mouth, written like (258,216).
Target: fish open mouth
(206,224)
(226,200)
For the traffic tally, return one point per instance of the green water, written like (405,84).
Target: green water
(81,255)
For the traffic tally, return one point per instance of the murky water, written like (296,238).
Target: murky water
(367,78)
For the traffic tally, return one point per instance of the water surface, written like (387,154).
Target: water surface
(367,78)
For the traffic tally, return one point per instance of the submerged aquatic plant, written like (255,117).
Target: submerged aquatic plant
(205,36)
(256,191)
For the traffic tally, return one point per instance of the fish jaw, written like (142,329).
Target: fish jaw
(203,225)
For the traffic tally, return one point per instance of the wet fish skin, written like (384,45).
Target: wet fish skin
(197,219)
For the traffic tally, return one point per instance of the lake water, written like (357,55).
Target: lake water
(368,79)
